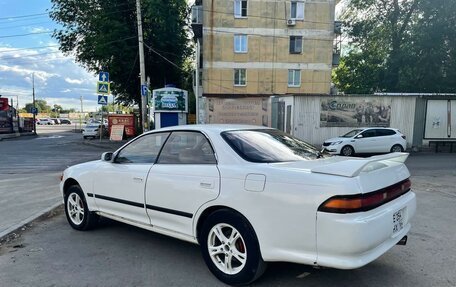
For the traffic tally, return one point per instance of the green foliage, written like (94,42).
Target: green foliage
(102,34)
(399,46)
(41,106)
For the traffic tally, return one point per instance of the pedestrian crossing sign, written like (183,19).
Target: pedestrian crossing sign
(102,100)
(103,88)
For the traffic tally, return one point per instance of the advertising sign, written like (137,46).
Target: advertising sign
(355,112)
(117,132)
(254,111)
(170,100)
(4,104)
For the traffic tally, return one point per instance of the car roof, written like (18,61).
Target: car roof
(212,127)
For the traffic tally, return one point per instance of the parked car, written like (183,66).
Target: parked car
(65,122)
(56,121)
(45,122)
(367,140)
(247,195)
(93,130)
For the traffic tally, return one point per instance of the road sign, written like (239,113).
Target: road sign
(144,90)
(102,100)
(34,111)
(103,88)
(103,77)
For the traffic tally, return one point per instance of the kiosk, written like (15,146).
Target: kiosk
(170,107)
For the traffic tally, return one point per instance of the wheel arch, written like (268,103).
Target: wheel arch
(210,210)
(68,183)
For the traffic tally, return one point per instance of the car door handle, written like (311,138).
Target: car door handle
(137,179)
(207,184)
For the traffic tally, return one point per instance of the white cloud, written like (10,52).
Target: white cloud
(73,81)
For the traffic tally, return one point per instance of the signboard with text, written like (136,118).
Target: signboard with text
(170,100)
(117,132)
(355,112)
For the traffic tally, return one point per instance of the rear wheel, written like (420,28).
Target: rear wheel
(230,248)
(77,211)
(347,151)
(397,148)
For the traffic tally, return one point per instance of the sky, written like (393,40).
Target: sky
(58,79)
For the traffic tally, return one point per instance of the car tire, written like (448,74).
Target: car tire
(76,210)
(347,151)
(234,261)
(397,148)
(84,137)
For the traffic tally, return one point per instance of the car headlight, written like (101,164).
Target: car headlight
(336,143)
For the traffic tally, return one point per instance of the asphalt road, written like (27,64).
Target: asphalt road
(49,253)
(30,169)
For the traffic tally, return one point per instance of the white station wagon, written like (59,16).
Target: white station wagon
(248,195)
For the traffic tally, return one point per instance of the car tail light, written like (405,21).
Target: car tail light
(365,201)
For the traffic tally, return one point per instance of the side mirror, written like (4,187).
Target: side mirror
(106,156)
(359,137)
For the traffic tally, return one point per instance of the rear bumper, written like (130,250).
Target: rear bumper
(349,241)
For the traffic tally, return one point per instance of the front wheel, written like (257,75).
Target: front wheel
(347,151)
(397,148)
(76,210)
(230,248)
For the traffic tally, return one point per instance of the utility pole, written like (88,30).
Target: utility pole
(34,105)
(142,68)
(197,80)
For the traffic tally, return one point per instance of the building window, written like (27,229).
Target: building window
(295,44)
(240,43)
(239,77)
(294,78)
(240,8)
(297,10)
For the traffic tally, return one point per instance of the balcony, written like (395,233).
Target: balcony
(197,21)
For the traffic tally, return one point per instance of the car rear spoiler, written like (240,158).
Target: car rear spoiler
(354,166)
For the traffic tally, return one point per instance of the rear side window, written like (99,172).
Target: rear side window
(385,132)
(369,134)
(187,148)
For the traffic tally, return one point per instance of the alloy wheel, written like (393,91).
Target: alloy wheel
(75,208)
(227,248)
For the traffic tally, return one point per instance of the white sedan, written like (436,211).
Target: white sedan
(248,195)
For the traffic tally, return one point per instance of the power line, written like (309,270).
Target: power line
(23,16)
(16,26)
(266,17)
(6,21)
(30,48)
(27,34)
(166,59)
(23,56)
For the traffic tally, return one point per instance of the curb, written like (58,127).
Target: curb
(29,219)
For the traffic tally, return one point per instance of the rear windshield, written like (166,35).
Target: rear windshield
(269,146)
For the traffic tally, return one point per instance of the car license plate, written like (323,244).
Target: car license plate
(398,220)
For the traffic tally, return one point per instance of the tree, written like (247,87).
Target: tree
(41,106)
(398,46)
(432,56)
(101,34)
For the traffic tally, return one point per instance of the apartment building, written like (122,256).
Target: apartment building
(252,54)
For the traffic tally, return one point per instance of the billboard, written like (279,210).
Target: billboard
(253,111)
(355,112)
(170,100)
